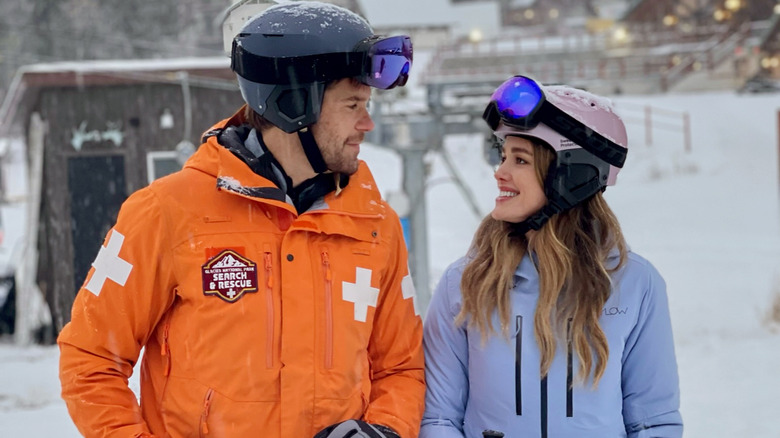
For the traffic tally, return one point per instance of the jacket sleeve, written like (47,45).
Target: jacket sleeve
(395,348)
(446,363)
(651,394)
(125,293)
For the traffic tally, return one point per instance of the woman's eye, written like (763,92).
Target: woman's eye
(519,160)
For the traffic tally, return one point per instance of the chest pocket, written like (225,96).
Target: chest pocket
(352,276)
(226,308)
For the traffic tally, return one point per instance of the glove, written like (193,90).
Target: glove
(356,429)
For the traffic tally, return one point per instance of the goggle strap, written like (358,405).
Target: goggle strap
(492,116)
(307,69)
(585,137)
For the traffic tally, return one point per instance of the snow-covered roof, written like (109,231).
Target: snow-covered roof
(83,73)
(129,65)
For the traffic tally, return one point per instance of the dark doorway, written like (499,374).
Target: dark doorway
(7,304)
(97,189)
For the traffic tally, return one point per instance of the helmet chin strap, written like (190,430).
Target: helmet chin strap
(567,184)
(312,151)
(535,221)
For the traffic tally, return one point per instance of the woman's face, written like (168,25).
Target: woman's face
(520,194)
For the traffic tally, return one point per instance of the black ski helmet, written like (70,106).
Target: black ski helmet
(284,57)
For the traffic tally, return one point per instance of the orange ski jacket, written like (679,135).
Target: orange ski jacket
(256,321)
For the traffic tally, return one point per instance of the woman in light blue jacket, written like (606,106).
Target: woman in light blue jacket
(550,326)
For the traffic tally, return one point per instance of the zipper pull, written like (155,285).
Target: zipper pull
(164,345)
(326,263)
(165,350)
(268,271)
(206,405)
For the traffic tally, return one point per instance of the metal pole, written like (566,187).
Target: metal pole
(184,78)
(648,125)
(414,176)
(687,131)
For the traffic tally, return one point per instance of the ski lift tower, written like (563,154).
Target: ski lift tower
(413,135)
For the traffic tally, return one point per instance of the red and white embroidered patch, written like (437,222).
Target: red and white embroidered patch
(229,275)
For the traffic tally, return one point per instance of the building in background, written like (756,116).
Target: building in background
(94,133)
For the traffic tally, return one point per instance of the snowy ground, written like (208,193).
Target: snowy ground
(708,219)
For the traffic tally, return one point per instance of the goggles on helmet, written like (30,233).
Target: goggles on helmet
(520,103)
(377,61)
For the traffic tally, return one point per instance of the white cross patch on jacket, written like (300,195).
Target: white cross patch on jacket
(360,293)
(108,265)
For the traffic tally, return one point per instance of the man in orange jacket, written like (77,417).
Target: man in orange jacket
(267,281)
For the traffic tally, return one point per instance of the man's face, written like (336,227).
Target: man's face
(344,121)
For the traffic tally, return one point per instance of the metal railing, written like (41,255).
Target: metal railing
(662,59)
(652,118)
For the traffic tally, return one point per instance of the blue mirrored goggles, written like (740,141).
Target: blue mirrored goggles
(377,61)
(386,62)
(520,103)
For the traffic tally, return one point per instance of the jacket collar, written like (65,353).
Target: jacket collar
(360,198)
(527,268)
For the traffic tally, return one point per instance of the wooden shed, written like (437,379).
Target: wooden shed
(96,132)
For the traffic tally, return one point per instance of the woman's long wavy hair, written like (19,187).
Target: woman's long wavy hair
(574,280)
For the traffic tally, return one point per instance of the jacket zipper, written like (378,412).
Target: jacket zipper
(569,372)
(328,310)
(518,365)
(204,426)
(165,350)
(269,298)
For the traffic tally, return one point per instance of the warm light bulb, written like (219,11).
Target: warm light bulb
(732,5)
(475,35)
(620,34)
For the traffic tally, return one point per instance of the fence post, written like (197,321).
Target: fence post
(648,125)
(687,131)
